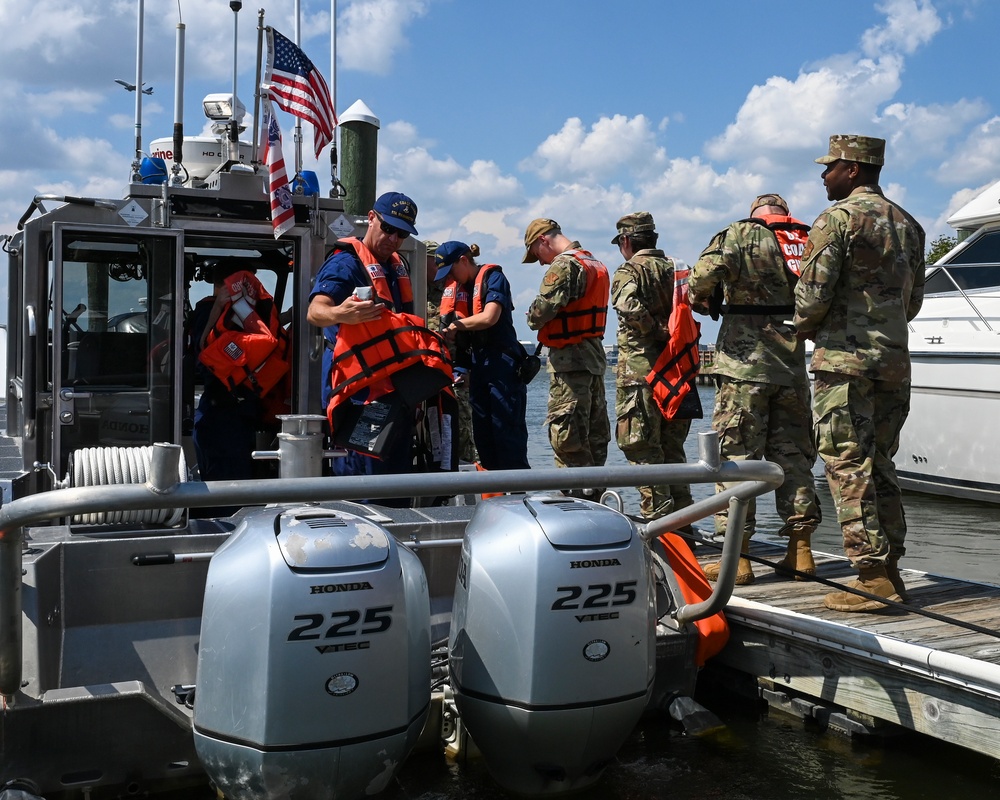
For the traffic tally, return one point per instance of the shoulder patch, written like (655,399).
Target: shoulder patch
(550,278)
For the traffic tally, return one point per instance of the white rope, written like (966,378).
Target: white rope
(118,466)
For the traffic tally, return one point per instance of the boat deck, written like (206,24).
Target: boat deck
(931,666)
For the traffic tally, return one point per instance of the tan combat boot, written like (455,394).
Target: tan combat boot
(892,571)
(873,580)
(744,572)
(798,556)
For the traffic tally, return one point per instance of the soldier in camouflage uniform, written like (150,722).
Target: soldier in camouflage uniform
(762,399)
(642,295)
(579,430)
(862,282)
(435,289)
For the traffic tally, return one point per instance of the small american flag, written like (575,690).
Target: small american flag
(297,87)
(282,211)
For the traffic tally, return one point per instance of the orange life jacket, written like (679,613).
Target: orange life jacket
(479,290)
(376,272)
(368,354)
(247,345)
(713,631)
(792,235)
(672,376)
(585,317)
(456,302)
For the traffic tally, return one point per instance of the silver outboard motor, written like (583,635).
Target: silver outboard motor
(314,663)
(552,646)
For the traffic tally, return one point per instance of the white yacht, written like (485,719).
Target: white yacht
(950,441)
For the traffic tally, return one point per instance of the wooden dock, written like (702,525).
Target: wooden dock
(938,675)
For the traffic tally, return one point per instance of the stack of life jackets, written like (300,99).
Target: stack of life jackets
(247,347)
(395,356)
(672,377)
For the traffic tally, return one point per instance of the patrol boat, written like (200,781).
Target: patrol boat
(301,646)
(955,353)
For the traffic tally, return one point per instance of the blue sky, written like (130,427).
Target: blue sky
(495,113)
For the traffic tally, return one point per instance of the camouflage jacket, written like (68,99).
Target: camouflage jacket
(434,293)
(642,295)
(862,282)
(746,261)
(564,282)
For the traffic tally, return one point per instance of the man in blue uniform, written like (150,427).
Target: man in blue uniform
(356,283)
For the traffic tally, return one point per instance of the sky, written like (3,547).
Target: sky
(493,114)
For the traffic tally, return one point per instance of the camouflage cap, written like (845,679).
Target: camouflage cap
(848,147)
(536,228)
(769,200)
(634,223)
(431,246)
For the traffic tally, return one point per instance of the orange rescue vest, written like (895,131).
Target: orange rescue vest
(673,374)
(585,317)
(376,272)
(456,302)
(368,354)
(479,290)
(247,345)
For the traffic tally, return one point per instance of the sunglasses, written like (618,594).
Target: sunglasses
(391,230)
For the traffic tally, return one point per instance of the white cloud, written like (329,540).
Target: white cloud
(371,32)
(974,158)
(610,144)
(908,25)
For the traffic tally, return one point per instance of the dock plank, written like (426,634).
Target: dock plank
(930,675)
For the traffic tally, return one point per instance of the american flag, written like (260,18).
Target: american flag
(297,87)
(282,211)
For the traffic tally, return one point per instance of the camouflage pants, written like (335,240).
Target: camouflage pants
(645,437)
(466,445)
(766,421)
(857,432)
(579,429)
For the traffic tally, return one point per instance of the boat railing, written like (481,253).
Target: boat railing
(745,480)
(965,296)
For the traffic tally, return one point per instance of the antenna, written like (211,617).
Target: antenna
(136,176)
(178,101)
(234,131)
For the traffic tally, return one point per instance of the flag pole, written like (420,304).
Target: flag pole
(255,152)
(336,187)
(298,121)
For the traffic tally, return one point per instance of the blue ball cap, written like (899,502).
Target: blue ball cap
(397,209)
(447,254)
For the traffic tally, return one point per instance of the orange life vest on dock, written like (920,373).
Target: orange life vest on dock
(672,377)
(585,317)
(247,345)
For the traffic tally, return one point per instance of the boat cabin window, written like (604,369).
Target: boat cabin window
(113,320)
(976,266)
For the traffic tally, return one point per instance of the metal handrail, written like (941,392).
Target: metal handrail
(163,491)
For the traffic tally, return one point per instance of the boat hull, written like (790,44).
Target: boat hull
(950,441)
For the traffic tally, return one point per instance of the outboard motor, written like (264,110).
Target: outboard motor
(552,646)
(314,663)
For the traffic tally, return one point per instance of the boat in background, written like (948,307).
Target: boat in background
(950,441)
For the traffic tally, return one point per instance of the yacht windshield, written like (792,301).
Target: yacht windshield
(976,266)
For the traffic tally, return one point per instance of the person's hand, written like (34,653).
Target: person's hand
(353,311)
(805,336)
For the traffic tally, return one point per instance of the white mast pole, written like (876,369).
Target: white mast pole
(336,190)
(138,94)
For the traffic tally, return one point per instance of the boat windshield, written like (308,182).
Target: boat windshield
(976,266)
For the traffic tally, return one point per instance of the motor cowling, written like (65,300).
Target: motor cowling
(314,664)
(552,645)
